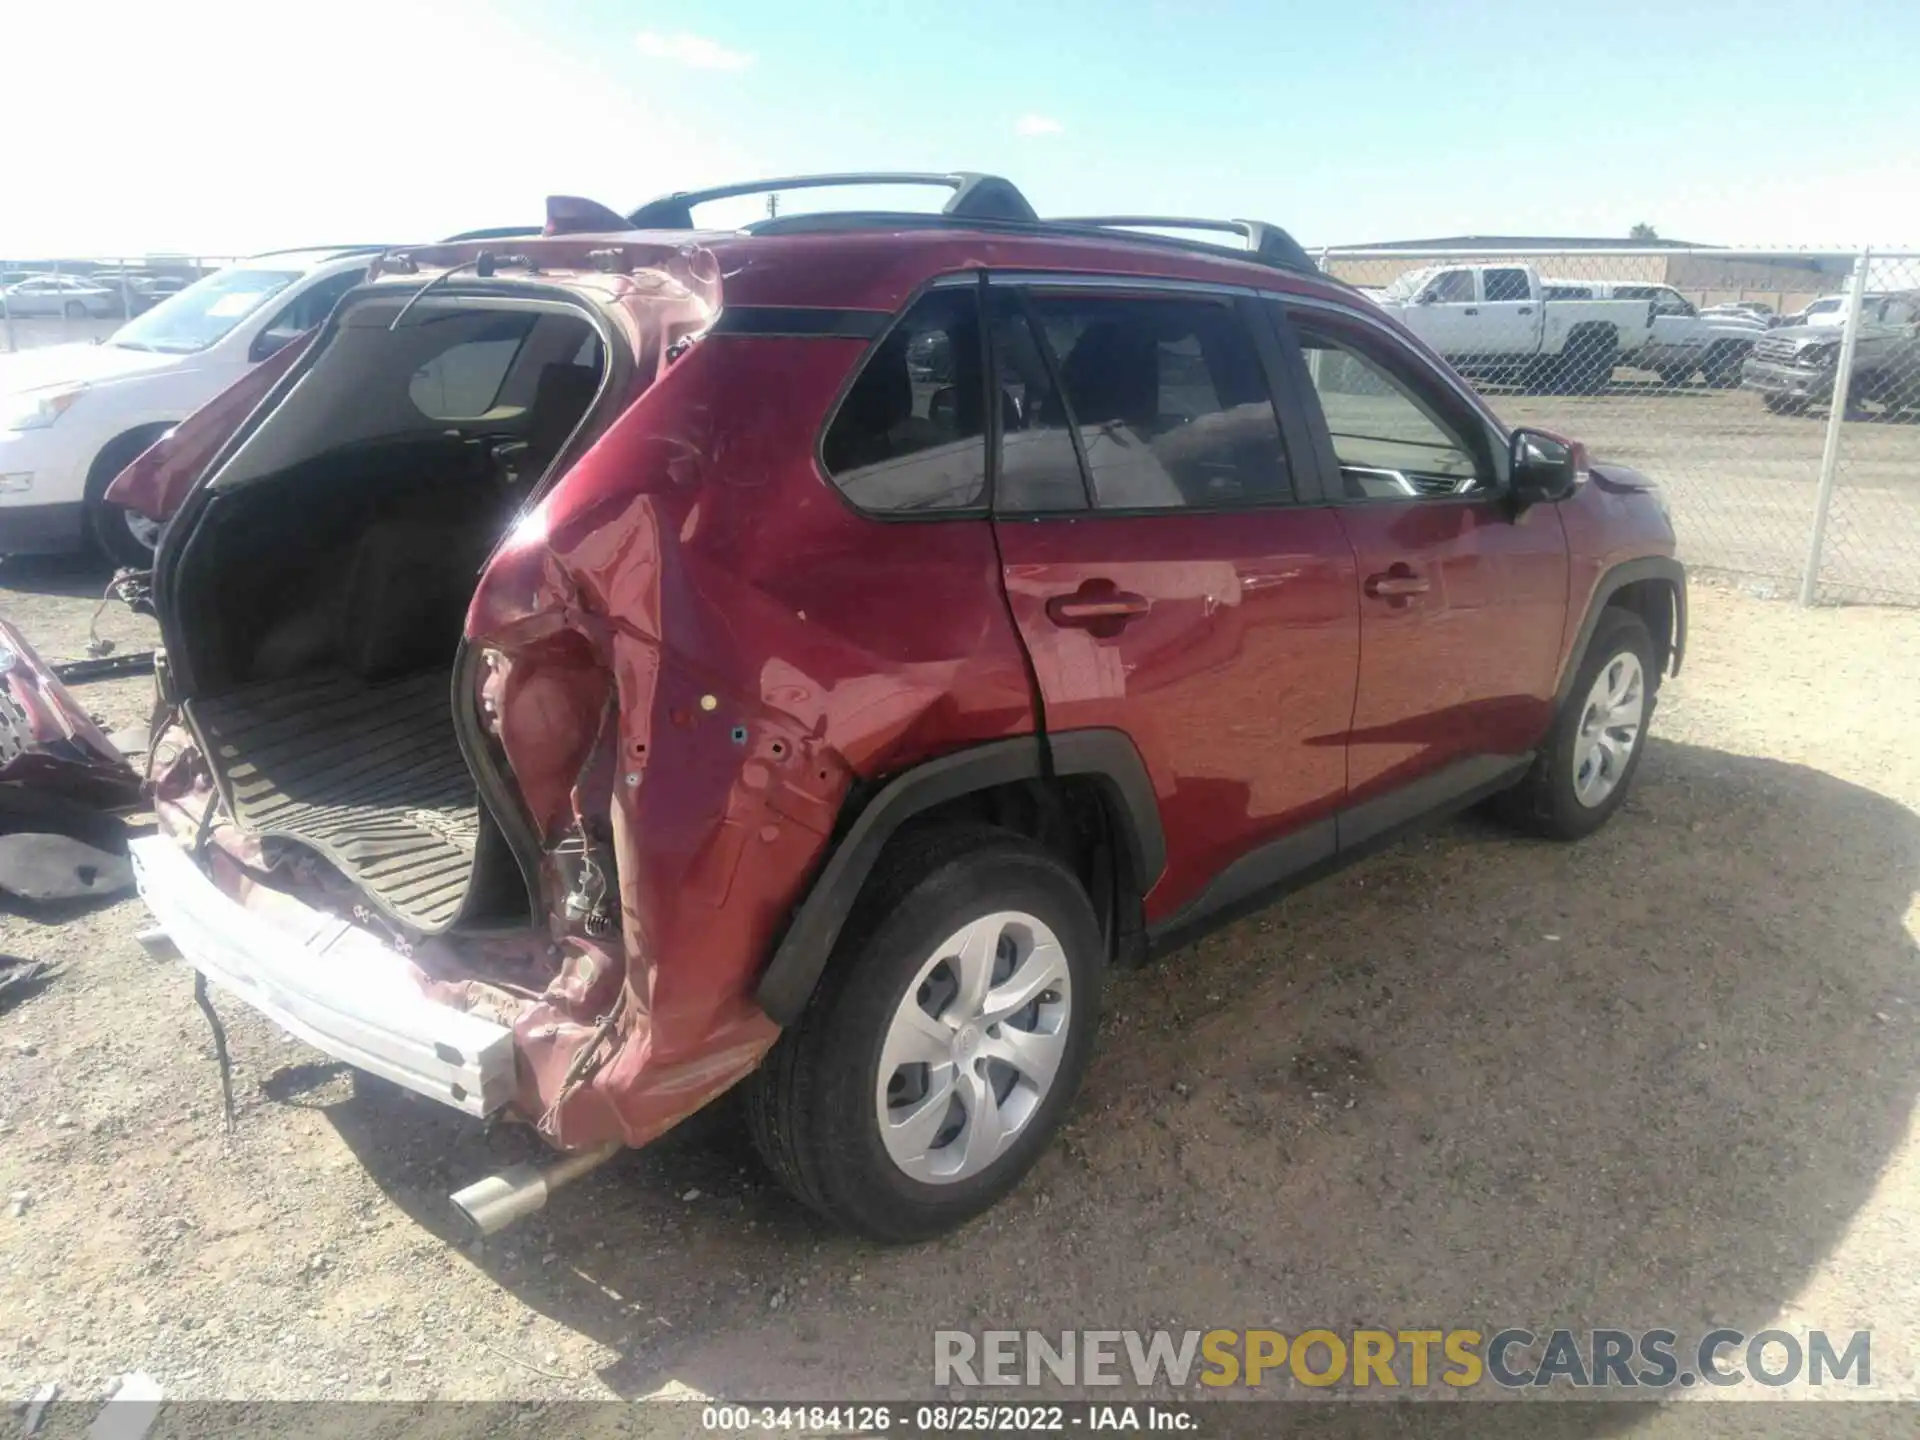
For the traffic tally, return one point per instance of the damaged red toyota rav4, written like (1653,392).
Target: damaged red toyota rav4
(811,657)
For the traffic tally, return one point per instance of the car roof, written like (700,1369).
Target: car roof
(873,269)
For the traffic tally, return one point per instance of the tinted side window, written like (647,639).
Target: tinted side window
(1394,433)
(1507,285)
(1168,398)
(1039,467)
(911,433)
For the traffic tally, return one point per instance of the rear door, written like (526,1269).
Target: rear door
(1171,570)
(1461,603)
(1673,334)
(1510,312)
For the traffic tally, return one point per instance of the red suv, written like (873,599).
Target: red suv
(606,668)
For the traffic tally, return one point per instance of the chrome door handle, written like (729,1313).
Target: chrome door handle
(1396,585)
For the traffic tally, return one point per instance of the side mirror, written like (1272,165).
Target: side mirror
(1543,468)
(1425,297)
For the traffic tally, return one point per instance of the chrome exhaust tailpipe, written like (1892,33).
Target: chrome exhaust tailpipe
(492,1204)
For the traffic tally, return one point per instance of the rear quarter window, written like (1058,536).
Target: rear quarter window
(910,434)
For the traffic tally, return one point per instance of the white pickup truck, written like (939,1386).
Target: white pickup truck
(1499,321)
(1683,338)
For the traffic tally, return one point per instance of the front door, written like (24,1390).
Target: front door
(1446,314)
(1509,312)
(1461,602)
(1164,575)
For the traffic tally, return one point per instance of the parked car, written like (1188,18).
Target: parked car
(72,416)
(1758,309)
(1827,310)
(138,291)
(1682,339)
(598,680)
(68,295)
(1795,367)
(1501,321)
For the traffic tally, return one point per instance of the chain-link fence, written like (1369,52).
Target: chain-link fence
(79,298)
(1775,395)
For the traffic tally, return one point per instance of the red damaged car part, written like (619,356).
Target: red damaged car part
(48,742)
(742,710)
(158,479)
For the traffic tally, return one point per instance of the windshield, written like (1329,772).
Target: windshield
(1408,284)
(200,314)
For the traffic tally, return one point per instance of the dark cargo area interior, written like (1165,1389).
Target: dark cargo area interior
(317,610)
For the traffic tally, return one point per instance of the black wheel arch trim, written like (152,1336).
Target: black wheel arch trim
(1108,757)
(1651,567)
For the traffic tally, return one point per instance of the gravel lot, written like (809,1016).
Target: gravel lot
(1743,482)
(1665,1077)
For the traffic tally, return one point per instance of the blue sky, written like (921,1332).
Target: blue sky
(1346,120)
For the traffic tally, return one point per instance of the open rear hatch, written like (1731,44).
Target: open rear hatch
(313,590)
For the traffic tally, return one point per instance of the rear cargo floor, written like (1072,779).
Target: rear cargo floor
(369,775)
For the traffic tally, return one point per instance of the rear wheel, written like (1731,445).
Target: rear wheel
(125,537)
(1588,761)
(1587,366)
(945,1042)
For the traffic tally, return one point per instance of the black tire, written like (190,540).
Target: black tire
(75,310)
(107,522)
(1722,365)
(1784,404)
(1587,366)
(812,1106)
(1545,802)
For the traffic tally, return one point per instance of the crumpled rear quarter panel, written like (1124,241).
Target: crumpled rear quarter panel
(767,648)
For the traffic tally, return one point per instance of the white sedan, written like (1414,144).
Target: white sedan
(67,295)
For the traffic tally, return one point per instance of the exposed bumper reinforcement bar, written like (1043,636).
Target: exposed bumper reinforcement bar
(335,986)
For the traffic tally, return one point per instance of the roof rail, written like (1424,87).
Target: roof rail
(494,232)
(975,196)
(337,250)
(1268,244)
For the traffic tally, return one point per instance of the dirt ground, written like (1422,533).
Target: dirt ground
(1665,1077)
(1743,483)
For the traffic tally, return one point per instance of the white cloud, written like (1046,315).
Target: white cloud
(1038,125)
(696,52)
